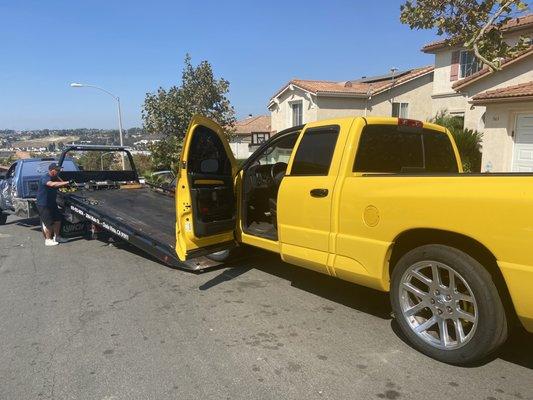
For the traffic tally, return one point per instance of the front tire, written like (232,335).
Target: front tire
(3,218)
(447,304)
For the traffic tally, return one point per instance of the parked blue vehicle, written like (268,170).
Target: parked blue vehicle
(18,187)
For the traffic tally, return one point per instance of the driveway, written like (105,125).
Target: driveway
(89,320)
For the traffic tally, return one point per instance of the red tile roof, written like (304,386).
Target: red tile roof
(515,92)
(356,88)
(486,71)
(437,44)
(258,123)
(515,24)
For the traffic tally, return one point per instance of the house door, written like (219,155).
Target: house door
(523,148)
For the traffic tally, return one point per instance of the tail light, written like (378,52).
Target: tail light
(410,125)
(413,123)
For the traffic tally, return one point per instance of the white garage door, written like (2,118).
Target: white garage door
(523,148)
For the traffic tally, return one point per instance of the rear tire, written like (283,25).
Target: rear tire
(3,218)
(447,305)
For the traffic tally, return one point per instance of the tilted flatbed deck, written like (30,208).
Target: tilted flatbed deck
(115,201)
(143,217)
(146,211)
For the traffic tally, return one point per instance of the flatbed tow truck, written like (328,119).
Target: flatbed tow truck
(115,201)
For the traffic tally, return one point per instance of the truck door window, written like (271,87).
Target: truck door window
(388,149)
(11,171)
(279,151)
(205,146)
(314,154)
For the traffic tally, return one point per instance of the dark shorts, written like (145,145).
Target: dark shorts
(49,215)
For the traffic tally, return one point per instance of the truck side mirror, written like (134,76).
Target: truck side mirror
(208,166)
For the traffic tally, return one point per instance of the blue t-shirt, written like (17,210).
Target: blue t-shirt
(46,195)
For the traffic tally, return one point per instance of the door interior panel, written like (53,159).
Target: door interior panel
(213,204)
(212,194)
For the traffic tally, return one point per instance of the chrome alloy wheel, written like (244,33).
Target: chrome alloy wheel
(438,305)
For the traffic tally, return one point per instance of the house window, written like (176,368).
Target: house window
(297,113)
(468,64)
(400,110)
(260,137)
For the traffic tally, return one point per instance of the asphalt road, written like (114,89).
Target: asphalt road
(87,320)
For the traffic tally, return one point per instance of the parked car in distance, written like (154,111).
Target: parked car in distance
(380,202)
(18,187)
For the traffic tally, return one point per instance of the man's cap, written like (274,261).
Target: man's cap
(54,166)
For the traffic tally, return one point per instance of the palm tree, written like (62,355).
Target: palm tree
(468,140)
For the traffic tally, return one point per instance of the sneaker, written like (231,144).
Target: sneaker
(59,239)
(50,242)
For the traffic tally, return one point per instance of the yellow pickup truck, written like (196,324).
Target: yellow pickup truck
(381,202)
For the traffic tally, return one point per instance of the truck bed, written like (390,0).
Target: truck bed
(142,217)
(146,211)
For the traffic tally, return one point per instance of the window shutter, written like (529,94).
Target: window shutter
(454,72)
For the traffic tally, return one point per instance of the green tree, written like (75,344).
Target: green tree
(168,111)
(473,24)
(143,164)
(468,141)
(98,160)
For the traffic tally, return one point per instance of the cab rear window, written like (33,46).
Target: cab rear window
(390,149)
(34,168)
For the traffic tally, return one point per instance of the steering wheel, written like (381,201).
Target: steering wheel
(277,172)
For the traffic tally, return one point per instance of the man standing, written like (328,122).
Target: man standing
(47,206)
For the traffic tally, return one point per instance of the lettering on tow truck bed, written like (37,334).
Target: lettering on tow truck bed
(97,221)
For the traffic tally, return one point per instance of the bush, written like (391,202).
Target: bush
(468,141)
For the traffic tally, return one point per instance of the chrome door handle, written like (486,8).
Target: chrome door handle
(319,192)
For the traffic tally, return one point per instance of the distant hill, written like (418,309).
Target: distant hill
(45,141)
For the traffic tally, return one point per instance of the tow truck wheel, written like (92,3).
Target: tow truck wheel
(3,218)
(447,305)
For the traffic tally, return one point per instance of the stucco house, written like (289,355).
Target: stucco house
(404,94)
(499,104)
(492,102)
(249,133)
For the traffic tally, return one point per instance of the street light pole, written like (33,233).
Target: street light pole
(119,112)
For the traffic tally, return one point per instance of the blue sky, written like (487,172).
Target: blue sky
(133,47)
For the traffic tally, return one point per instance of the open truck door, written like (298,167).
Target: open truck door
(205,195)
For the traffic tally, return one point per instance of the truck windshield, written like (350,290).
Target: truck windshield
(389,149)
(34,168)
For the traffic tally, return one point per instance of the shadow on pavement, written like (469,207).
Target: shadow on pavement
(354,296)
(516,350)
(26,222)
(226,275)
(360,298)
